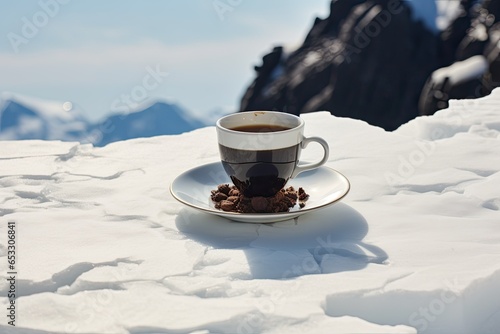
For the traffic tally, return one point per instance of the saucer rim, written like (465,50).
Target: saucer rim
(257,216)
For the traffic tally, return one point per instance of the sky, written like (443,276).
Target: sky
(105,56)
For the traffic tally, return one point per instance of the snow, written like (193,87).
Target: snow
(414,247)
(461,71)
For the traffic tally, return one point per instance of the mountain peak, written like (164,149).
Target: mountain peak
(62,110)
(24,117)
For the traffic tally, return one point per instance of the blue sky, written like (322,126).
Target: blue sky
(92,53)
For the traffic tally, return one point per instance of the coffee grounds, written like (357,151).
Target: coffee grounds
(228,198)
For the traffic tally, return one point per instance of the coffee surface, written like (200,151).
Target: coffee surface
(260,128)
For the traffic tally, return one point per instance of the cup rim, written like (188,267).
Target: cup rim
(280,113)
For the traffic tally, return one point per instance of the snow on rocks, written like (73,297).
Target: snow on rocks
(415,246)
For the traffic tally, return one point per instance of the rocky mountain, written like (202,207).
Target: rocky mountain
(369,60)
(24,117)
(469,56)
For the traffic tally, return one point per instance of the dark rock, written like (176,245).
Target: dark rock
(476,62)
(368,60)
(371,61)
(452,36)
(492,54)
(461,80)
(483,16)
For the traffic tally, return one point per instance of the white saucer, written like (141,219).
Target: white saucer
(324,185)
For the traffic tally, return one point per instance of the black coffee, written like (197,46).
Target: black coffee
(259,173)
(260,128)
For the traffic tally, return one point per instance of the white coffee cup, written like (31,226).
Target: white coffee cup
(260,150)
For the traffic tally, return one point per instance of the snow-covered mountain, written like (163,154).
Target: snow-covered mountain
(160,118)
(23,117)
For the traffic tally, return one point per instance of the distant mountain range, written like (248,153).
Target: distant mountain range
(23,117)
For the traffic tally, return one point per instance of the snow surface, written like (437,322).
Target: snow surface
(415,246)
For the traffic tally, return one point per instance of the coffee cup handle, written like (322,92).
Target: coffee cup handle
(302,168)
